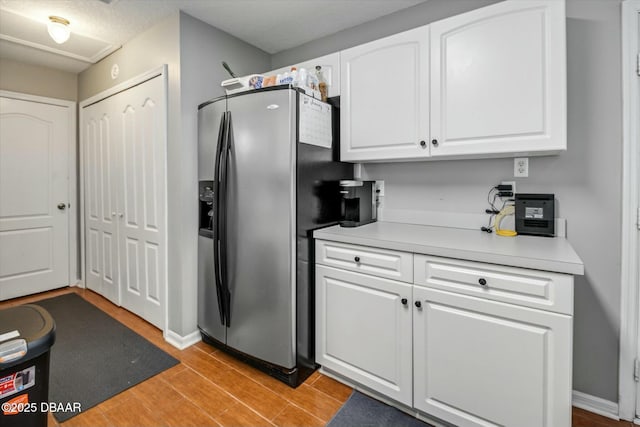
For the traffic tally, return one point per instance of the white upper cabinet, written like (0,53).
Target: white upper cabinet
(498,80)
(486,83)
(384,105)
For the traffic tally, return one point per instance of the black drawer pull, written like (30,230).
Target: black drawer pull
(356,259)
(482,282)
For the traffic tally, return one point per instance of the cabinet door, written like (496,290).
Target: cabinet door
(363,330)
(498,80)
(486,363)
(385,98)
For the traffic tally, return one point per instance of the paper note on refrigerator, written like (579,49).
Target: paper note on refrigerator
(315,122)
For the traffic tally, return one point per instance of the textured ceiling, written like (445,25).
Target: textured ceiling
(271,25)
(276,25)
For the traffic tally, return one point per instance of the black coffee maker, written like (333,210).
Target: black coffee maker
(359,203)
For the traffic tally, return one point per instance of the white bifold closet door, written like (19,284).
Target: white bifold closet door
(125,198)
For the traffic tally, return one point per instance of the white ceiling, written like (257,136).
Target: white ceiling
(101,26)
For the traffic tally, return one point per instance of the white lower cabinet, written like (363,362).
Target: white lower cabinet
(363,330)
(466,342)
(485,363)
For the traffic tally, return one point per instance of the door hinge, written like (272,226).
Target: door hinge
(638,63)
(636,370)
(638,218)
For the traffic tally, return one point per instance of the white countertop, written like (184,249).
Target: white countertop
(539,253)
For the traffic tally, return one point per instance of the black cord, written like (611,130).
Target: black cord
(494,210)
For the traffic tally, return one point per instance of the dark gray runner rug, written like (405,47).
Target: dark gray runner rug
(95,357)
(363,411)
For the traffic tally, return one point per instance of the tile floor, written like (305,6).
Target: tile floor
(210,388)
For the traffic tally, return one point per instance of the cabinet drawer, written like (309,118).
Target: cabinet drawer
(529,288)
(364,259)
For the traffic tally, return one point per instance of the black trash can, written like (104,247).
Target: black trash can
(27,333)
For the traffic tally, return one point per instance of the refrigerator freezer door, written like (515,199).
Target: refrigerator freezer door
(261,226)
(209,315)
(209,118)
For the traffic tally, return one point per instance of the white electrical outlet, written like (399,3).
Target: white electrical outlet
(512,184)
(521,167)
(380,188)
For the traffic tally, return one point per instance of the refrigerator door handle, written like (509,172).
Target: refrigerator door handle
(226,150)
(219,203)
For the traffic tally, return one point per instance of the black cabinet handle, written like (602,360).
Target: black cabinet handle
(482,282)
(356,259)
(423,144)
(418,304)
(403,301)
(434,142)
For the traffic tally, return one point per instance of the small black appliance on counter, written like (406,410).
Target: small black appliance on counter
(535,214)
(359,205)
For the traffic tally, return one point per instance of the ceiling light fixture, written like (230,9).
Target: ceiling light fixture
(58,29)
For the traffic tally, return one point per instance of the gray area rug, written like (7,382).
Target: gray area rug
(94,356)
(363,411)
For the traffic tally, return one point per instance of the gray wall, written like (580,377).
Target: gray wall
(157,46)
(402,20)
(586,179)
(37,80)
(202,48)
(193,51)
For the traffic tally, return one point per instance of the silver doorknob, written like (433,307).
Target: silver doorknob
(62,206)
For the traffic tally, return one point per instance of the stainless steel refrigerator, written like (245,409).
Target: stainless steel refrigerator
(268,177)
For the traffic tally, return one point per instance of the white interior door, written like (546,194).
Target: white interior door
(636,103)
(34,197)
(124,144)
(100,200)
(141,116)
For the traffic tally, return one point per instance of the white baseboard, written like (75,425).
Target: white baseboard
(580,400)
(182,342)
(77,284)
(596,405)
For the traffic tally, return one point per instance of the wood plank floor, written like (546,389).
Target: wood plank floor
(210,388)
